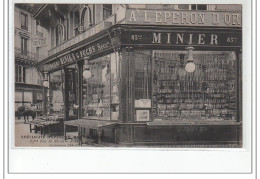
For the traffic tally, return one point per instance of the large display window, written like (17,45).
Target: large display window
(100,88)
(202,89)
(143,85)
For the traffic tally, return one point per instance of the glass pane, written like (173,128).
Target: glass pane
(183,6)
(76,19)
(201,7)
(143,70)
(107,10)
(114,86)
(143,85)
(23,75)
(193,7)
(97,89)
(23,21)
(56,93)
(208,93)
(73,90)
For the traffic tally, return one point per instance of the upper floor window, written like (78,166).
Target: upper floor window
(86,17)
(76,22)
(19,74)
(192,6)
(107,10)
(24,21)
(198,7)
(24,45)
(60,34)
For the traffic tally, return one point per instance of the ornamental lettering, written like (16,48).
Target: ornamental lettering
(182,39)
(200,18)
(51,66)
(77,55)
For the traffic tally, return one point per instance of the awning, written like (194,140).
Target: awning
(193,123)
(93,124)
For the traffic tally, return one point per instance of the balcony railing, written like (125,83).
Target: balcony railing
(26,55)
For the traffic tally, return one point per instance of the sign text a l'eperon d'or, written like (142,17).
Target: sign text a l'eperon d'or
(184,18)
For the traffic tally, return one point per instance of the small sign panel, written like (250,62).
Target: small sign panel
(142,115)
(143,103)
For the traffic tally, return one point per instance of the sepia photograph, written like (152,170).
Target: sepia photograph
(127,75)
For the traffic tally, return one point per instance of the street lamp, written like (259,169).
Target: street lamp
(86,72)
(190,66)
(45,80)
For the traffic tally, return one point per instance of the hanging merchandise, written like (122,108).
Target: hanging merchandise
(194,95)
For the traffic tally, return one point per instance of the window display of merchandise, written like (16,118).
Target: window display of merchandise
(208,93)
(100,90)
(73,90)
(56,96)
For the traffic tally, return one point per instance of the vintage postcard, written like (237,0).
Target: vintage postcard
(128,75)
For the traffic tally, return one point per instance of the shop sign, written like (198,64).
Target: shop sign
(143,103)
(194,38)
(142,115)
(184,18)
(84,52)
(39,42)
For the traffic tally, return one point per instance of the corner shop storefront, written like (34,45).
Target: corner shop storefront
(153,84)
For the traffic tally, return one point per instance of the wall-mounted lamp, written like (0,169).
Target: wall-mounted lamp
(86,72)
(190,66)
(45,80)
(45,84)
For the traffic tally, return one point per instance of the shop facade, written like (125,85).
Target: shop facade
(157,77)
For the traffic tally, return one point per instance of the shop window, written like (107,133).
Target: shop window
(24,46)
(107,10)
(142,76)
(20,74)
(100,88)
(208,93)
(24,21)
(192,6)
(142,85)
(55,104)
(73,90)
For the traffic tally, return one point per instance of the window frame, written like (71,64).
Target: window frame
(234,117)
(196,7)
(24,45)
(20,73)
(85,10)
(24,26)
(76,26)
(107,9)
